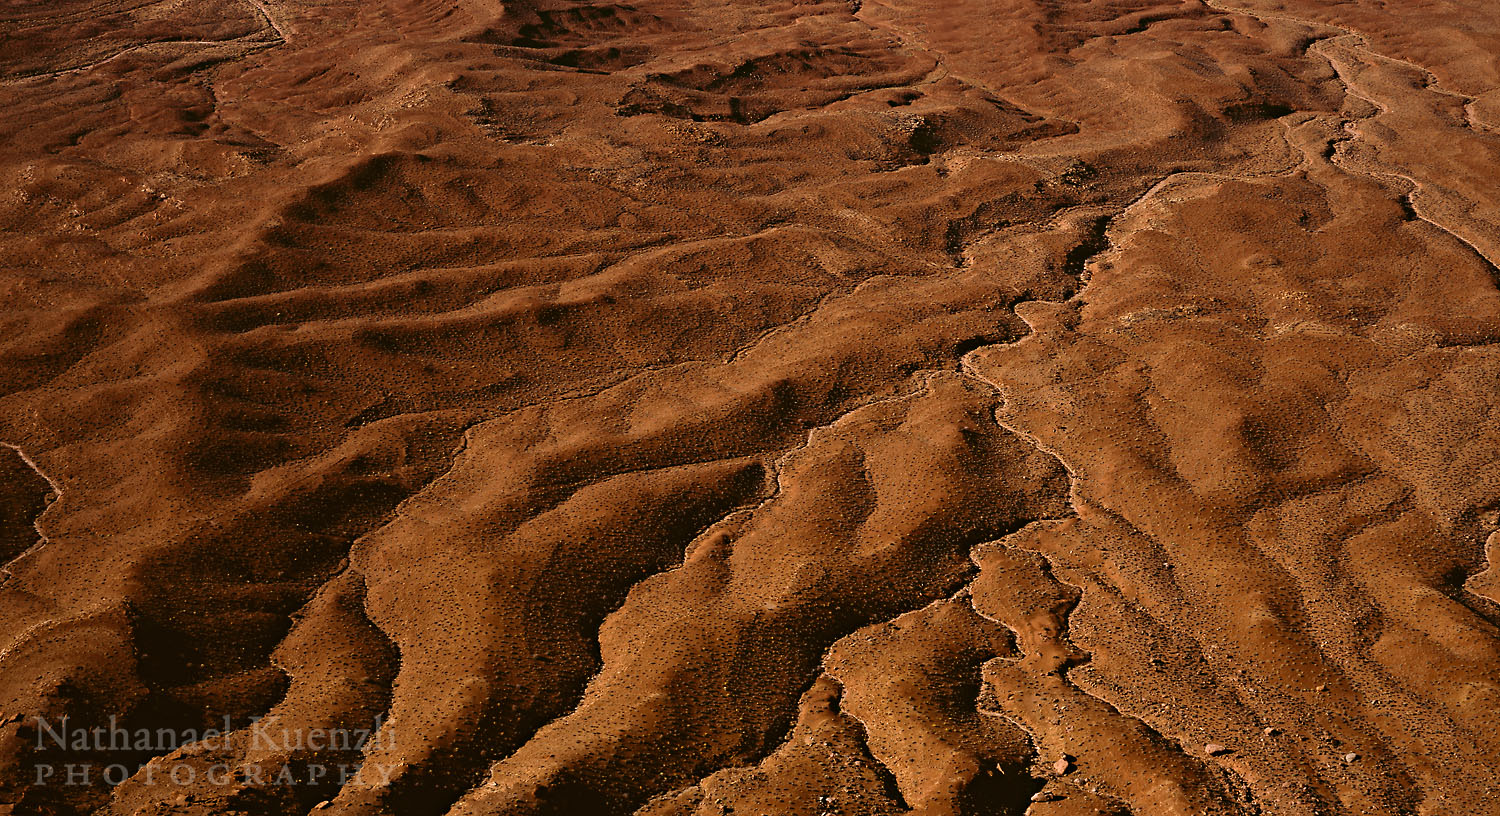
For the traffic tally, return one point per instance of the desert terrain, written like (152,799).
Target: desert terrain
(773,408)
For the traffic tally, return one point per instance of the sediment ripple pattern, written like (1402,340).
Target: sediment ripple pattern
(680,408)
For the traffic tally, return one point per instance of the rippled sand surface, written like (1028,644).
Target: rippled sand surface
(686,408)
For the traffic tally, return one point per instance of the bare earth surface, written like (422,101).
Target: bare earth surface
(692,408)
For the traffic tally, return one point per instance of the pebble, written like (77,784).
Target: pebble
(1349,758)
(1044,796)
(1271,732)
(1214,749)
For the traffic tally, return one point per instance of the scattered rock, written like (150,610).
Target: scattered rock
(1215,749)
(1350,758)
(1271,732)
(1063,765)
(1044,796)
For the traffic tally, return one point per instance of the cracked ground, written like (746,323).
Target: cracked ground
(789,408)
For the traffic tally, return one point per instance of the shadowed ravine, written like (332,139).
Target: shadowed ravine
(681,408)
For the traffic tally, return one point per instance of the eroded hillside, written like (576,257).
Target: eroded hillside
(991,407)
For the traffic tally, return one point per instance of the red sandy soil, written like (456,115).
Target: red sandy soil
(685,407)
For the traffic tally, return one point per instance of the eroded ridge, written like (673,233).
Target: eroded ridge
(797,407)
